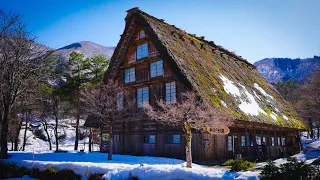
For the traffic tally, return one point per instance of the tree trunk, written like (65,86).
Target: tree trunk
(12,144)
(16,139)
(4,133)
(56,133)
(45,127)
(90,140)
(110,144)
(187,129)
(78,119)
(25,132)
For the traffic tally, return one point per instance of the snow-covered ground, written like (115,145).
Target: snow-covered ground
(309,154)
(66,128)
(37,155)
(124,166)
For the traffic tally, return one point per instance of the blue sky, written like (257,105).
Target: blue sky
(254,29)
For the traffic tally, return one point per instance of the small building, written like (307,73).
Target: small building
(155,60)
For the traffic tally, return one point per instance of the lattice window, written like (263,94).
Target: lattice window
(130,75)
(142,51)
(143,97)
(171,96)
(156,69)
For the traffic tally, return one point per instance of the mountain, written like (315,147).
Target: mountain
(87,48)
(283,69)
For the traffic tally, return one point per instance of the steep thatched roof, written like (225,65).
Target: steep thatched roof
(221,77)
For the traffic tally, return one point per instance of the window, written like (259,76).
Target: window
(156,69)
(249,142)
(176,139)
(171,93)
(143,96)
(120,100)
(283,141)
(150,139)
(173,139)
(243,141)
(264,140)
(272,141)
(278,141)
(141,34)
(230,143)
(130,75)
(258,139)
(142,51)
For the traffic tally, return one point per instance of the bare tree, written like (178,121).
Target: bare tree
(191,113)
(27,118)
(109,103)
(12,132)
(306,101)
(22,64)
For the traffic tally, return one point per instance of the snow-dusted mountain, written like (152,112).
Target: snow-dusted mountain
(283,69)
(87,48)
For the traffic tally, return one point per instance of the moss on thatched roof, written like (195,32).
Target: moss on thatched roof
(220,76)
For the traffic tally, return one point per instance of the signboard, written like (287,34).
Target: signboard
(218,130)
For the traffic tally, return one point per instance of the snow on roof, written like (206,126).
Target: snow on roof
(247,102)
(223,103)
(262,90)
(274,115)
(229,86)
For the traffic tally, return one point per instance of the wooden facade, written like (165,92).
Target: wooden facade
(148,138)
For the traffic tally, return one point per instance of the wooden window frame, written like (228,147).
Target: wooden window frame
(142,51)
(156,69)
(131,75)
(146,139)
(145,100)
(170,92)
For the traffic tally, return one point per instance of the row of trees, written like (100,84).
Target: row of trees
(36,84)
(23,64)
(305,98)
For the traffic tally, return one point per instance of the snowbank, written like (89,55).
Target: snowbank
(310,153)
(124,166)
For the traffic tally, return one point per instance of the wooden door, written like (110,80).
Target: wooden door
(221,146)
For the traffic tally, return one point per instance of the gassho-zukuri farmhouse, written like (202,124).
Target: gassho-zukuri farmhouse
(155,60)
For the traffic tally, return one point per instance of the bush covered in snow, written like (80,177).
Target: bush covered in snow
(239,165)
(293,170)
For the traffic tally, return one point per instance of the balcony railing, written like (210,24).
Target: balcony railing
(151,54)
(142,76)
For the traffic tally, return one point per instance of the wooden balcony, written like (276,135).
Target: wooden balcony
(142,76)
(133,58)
